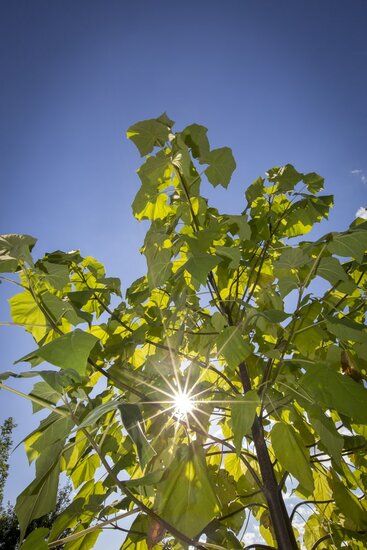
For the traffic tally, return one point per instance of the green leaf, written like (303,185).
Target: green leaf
(159,265)
(287,177)
(218,321)
(239,225)
(132,421)
(150,479)
(292,454)
(349,504)
(147,134)
(286,283)
(98,412)
(221,166)
(331,270)
(185,496)
(314,182)
(52,431)
(57,274)
(136,539)
(314,531)
(36,540)
(14,248)
(70,351)
(45,392)
(85,469)
(38,499)
(67,518)
(291,258)
(308,340)
(84,542)
(232,346)
(195,137)
(243,410)
(351,245)
(200,265)
(255,190)
(274,315)
(326,386)
(154,172)
(346,329)
(325,429)
(230,253)
(59,308)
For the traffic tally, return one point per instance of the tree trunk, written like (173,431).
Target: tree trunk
(279,516)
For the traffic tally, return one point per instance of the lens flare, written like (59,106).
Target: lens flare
(183,404)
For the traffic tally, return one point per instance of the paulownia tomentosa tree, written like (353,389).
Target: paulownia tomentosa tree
(226,378)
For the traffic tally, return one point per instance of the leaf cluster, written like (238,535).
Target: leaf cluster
(231,313)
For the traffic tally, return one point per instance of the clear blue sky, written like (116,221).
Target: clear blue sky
(278,81)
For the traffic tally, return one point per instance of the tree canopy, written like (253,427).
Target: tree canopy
(230,376)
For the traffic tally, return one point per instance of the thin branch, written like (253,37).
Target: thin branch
(325,537)
(84,532)
(308,502)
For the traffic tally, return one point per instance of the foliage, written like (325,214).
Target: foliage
(264,331)
(5,446)
(9,525)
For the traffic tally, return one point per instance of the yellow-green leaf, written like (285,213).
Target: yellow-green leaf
(292,454)
(185,496)
(243,410)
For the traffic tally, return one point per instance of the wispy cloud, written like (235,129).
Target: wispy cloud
(361,174)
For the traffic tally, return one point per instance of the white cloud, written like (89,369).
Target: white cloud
(362,213)
(360,174)
(249,538)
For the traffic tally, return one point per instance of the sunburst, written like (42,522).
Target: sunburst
(183,403)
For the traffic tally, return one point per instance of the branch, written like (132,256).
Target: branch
(308,502)
(325,537)
(265,546)
(75,536)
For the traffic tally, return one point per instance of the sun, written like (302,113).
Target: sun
(183,404)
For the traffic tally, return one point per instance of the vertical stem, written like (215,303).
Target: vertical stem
(279,516)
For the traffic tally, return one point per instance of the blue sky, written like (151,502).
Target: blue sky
(278,81)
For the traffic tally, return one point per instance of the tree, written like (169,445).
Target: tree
(9,525)
(5,446)
(231,376)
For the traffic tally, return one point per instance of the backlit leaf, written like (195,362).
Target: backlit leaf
(325,428)
(200,265)
(36,540)
(335,391)
(346,329)
(84,542)
(38,499)
(292,454)
(232,346)
(352,245)
(186,497)
(132,420)
(243,410)
(70,351)
(331,270)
